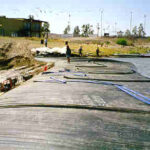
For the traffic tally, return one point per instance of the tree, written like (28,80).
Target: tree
(87,30)
(76,32)
(45,29)
(127,33)
(31,17)
(67,30)
(135,32)
(141,32)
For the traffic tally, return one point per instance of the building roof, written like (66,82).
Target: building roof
(23,19)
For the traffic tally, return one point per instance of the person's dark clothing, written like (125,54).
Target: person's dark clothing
(80,51)
(97,51)
(68,52)
(42,41)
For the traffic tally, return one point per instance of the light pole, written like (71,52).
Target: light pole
(102,23)
(98,28)
(131,22)
(145,23)
(116,28)
(69,22)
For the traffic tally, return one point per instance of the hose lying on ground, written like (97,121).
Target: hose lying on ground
(111,80)
(91,66)
(82,74)
(109,72)
(128,91)
(87,107)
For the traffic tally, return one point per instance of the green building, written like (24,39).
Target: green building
(20,27)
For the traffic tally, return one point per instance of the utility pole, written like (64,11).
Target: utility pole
(145,23)
(116,28)
(69,20)
(131,22)
(98,28)
(108,29)
(101,23)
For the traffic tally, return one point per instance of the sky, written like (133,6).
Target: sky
(56,12)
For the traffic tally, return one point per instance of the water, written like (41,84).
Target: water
(142,64)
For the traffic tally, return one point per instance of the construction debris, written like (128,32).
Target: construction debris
(17,64)
(14,77)
(46,50)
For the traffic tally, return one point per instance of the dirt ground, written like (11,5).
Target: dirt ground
(16,53)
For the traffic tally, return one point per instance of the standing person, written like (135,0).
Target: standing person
(68,52)
(45,42)
(97,51)
(42,41)
(80,51)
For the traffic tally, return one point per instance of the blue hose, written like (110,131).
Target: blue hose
(95,82)
(131,94)
(122,88)
(137,93)
(128,91)
(58,80)
(82,74)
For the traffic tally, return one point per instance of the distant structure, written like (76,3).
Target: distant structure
(120,34)
(55,36)
(66,35)
(106,34)
(20,27)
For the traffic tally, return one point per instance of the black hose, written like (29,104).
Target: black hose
(91,66)
(87,107)
(111,80)
(120,73)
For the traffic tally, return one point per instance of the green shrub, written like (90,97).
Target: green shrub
(107,42)
(122,42)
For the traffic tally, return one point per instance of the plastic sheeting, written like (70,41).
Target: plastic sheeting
(44,50)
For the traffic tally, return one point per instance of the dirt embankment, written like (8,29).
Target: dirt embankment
(16,54)
(17,64)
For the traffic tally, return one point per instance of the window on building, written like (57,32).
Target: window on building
(1,32)
(37,26)
(14,34)
(27,25)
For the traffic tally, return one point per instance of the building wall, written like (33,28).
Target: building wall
(19,27)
